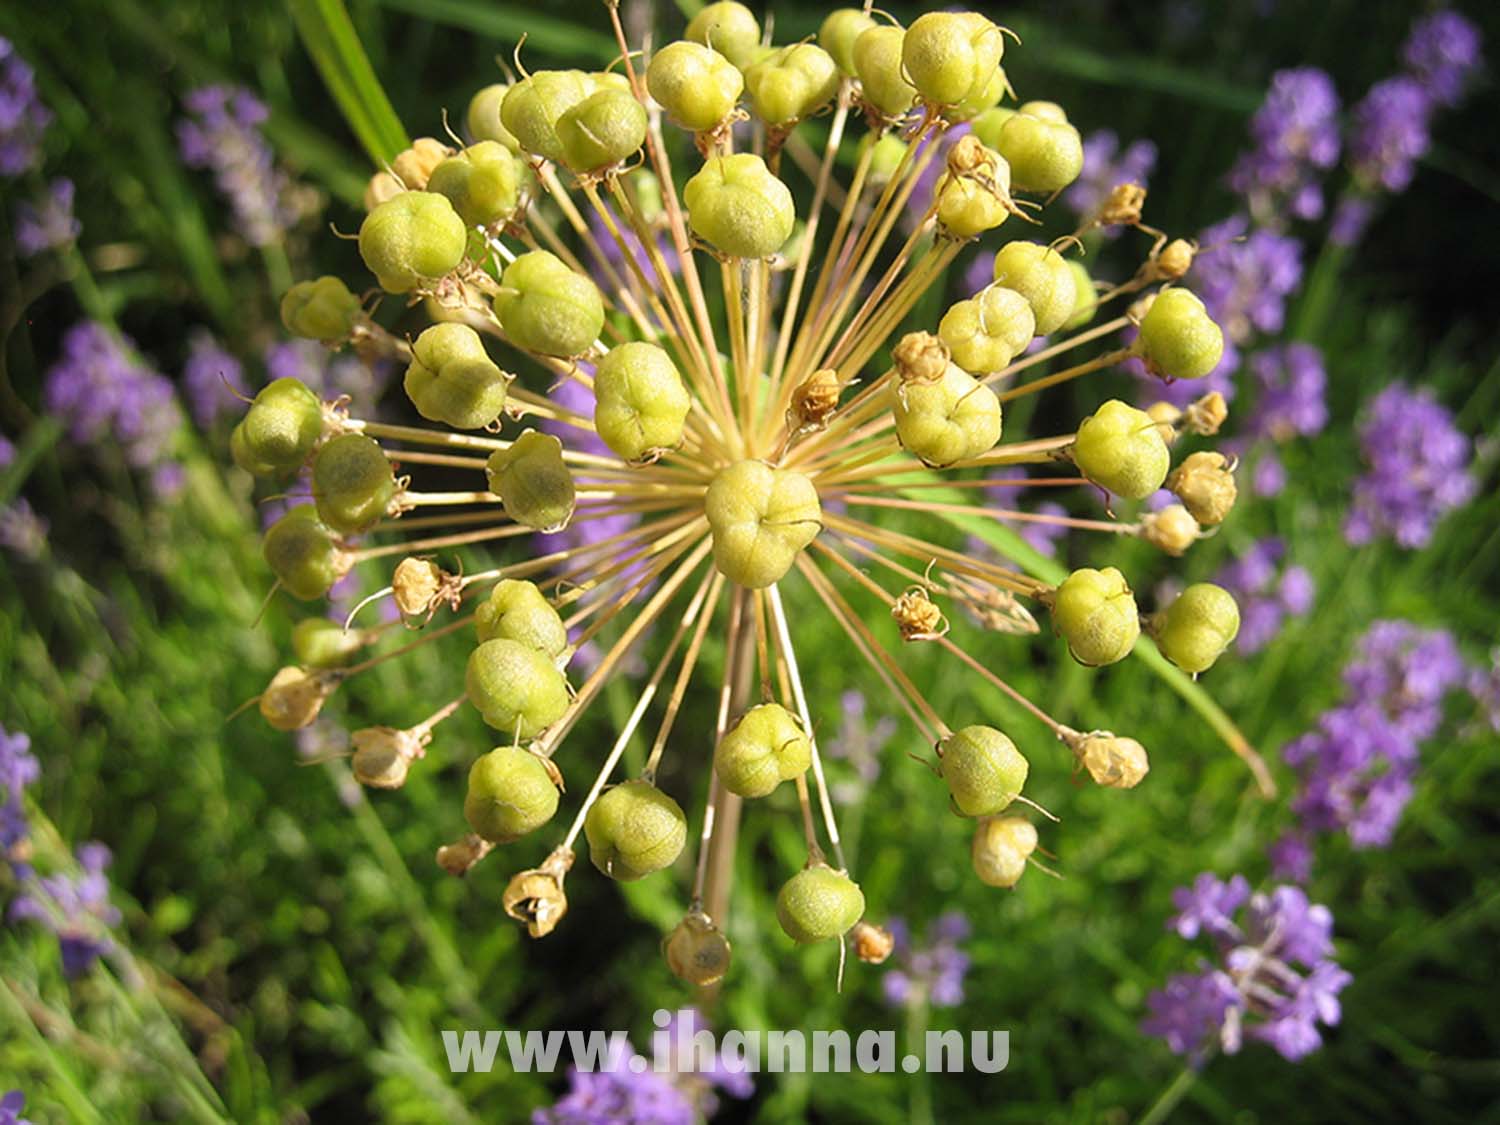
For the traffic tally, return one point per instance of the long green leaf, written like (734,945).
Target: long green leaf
(499,21)
(329,36)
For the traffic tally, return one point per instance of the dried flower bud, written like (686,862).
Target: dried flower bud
(1041,275)
(383,755)
(1194,630)
(819,903)
(1178,339)
(353,483)
(765,747)
(1002,844)
(533,482)
(1045,155)
(411,240)
(872,944)
(951,56)
(1113,762)
(697,86)
(1173,529)
(877,62)
(696,951)
(1206,416)
(1123,205)
(536,897)
(547,308)
(951,420)
(418,584)
(382,186)
(602,130)
(510,794)
(641,404)
(483,117)
(295,695)
(1119,448)
(984,770)
(452,379)
(1204,482)
(791,83)
(1175,259)
(483,182)
(279,431)
(304,554)
(921,357)
(320,309)
(459,857)
(515,688)
(414,165)
(761,518)
(729,28)
(987,331)
(633,830)
(814,400)
(1166,417)
(917,616)
(517,610)
(1095,612)
(318,642)
(841,27)
(739,207)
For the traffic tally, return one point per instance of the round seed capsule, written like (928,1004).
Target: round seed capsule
(320,309)
(1095,612)
(510,794)
(951,56)
(1205,485)
(968,206)
(483,117)
(633,830)
(988,330)
(604,129)
(980,100)
(984,770)
(819,903)
(791,83)
(1043,277)
(1085,300)
(766,747)
(547,308)
(761,518)
(947,420)
(515,688)
(1045,155)
(411,240)
(641,404)
(1120,448)
(533,481)
(532,107)
(841,27)
(318,642)
(452,379)
(279,431)
(877,62)
(697,86)
(1194,630)
(1001,847)
(696,951)
(1113,762)
(1172,529)
(304,554)
(729,28)
(736,205)
(294,697)
(383,756)
(483,182)
(519,611)
(1178,339)
(352,483)
(987,125)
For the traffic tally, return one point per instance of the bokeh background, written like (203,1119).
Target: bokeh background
(279,946)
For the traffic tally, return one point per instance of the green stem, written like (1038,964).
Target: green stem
(1167,1101)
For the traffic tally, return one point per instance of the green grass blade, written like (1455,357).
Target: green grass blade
(544,33)
(331,41)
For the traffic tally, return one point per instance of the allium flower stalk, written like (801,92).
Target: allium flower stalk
(741,438)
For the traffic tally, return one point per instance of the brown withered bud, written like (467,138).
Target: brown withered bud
(460,856)
(992,607)
(696,951)
(1166,416)
(918,616)
(414,166)
(1113,762)
(872,943)
(969,157)
(1123,206)
(536,897)
(920,357)
(1175,259)
(382,186)
(415,583)
(1173,529)
(814,400)
(1204,482)
(1207,415)
(382,755)
(295,695)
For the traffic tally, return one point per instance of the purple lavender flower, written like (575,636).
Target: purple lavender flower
(1208,906)
(1268,475)
(1389,134)
(1104,167)
(1267,593)
(11,1106)
(577,398)
(1190,1011)
(23,117)
(1290,384)
(860,743)
(1295,135)
(615,255)
(49,224)
(1351,218)
(1417,468)
(7,452)
(1442,51)
(75,907)
(1291,858)
(933,971)
(209,378)
(223,135)
(1245,276)
(327,375)
(22,531)
(18,769)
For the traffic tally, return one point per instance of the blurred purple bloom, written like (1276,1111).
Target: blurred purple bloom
(49,224)
(210,378)
(577,398)
(1290,385)
(1295,135)
(1245,276)
(75,907)
(1268,476)
(933,971)
(860,743)
(1189,1012)
(1208,906)
(1417,468)
(1484,685)
(22,531)
(7,452)
(1291,858)
(11,1106)
(327,375)
(23,117)
(1389,133)
(1350,219)
(1267,593)
(1442,52)
(615,254)
(1104,167)
(18,769)
(223,135)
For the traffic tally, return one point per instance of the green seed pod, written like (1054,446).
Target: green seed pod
(696,951)
(819,903)
(641,403)
(761,518)
(1045,156)
(1205,485)
(412,239)
(987,125)
(984,770)
(890,150)
(320,309)
(483,182)
(1086,298)
(697,86)
(510,794)
(1000,850)
(968,207)
(1121,449)
(980,100)
(1178,339)
(791,83)
(452,379)
(352,483)
(951,56)
(840,29)
(532,107)
(633,830)
(483,117)
(1050,112)
(519,611)
(515,688)
(1194,630)
(729,28)
(533,481)
(766,747)
(279,431)
(1043,277)
(736,205)
(1095,612)
(547,308)
(877,62)
(988,330)
(304,554)
(318,642)
(950,419)
(604,129)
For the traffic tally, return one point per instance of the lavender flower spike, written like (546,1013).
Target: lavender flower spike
(1443,52)
(1296,139)
(23,117)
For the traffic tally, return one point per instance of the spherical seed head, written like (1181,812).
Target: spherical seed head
(1178,339)
(633,830)
(451,378)
(483,117)
(510,794)
(533,482)
(819,903)
(414,165)
(546,307)
(1095,612)
(761,518)
(951,56)
(318,642)
(987,125)
(1172,529)
(791,83)
(532,107)
(987,331)
(877,62)
(1120,448)
(279,431)
(953,419)
(416,583)
(641,404)
(736,205)
(411,240)
(1195,629)
(483,182)
(1205,484)
(696,951)
(983,769)
(1042,276)
(515,688)
(921,357)
(1175,259)
(352,483)
(765,747)
(1001,847)
(1085,299)
(841,27)
(872,944)
(304,553)
(1113,762)
(697,86)
(729,28)
(1044,155)
(518,611)
(294,697)
(602,130)
(320,309)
